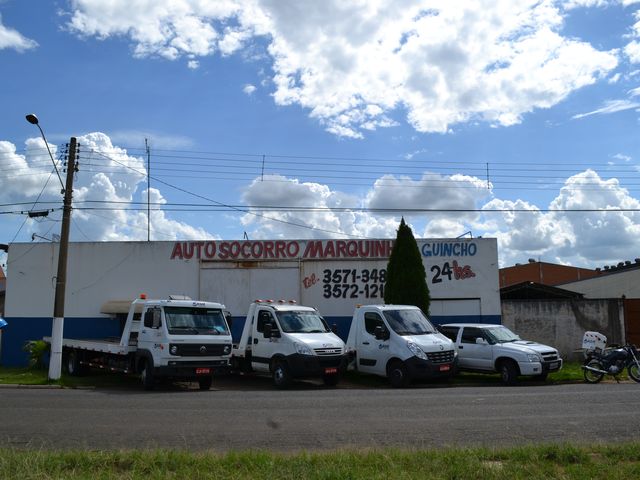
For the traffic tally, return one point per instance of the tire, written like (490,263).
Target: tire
(331,380)
(205,383)
(398,374)
(72,364)
(508,372)
(634,372)
(593,377)
(281,375)
(146,376)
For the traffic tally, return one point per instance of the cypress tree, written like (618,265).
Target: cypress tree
(406,282)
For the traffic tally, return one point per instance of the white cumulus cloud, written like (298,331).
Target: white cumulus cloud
(10,38)
(356,65)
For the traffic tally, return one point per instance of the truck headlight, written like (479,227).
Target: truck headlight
(173,350)
(226,350)
(302,349)
(533,357)
(416,350)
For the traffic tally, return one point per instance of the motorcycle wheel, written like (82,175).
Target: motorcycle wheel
(590,376)
(634,372)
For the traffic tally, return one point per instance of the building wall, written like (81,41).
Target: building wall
(609,285)
(562,323)
(332,275)
(543,273)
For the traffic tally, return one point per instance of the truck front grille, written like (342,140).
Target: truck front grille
(328,351)
(551,356)
(441,357)
(200,349)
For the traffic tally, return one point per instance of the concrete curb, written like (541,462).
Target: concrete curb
(17,385)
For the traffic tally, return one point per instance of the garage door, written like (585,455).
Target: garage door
(237,287)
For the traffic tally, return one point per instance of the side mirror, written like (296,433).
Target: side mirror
(334,328)
(152,318)
(270,331)
(381,333)
(229,318)
(267,330)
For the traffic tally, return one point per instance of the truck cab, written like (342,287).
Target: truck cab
(488,348)
(289,341)
(398,342)
(182,339)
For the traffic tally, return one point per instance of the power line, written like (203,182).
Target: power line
(249,212)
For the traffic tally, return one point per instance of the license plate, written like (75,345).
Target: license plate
(445,368)
(554,365)
(330,371)
(203,371)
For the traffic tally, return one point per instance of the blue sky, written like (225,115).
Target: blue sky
(512,119)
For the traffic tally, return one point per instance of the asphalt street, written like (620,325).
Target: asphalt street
(316,418)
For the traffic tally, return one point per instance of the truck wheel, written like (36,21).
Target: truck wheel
(205,383)
(146,375)
(508,372)
(72,364)
(281,374)
(331,380)
(398,374)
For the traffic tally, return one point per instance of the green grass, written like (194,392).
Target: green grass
(530,462)
(570,373)
(32,376)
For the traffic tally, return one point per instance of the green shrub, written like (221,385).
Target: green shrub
(37,350)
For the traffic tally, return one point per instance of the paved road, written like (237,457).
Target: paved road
(318,418)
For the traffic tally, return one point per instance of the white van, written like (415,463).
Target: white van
(399,342)
(289,341)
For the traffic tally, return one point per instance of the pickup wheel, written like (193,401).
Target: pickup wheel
(508,372)
(146,376)
(398,374)
(281,374)
(205,383)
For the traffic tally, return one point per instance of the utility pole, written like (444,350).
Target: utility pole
(55,362)
(146,146)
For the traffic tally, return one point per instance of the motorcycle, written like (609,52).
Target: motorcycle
(611,361)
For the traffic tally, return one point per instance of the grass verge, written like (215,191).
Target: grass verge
(530,462)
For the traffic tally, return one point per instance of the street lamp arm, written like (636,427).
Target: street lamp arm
(31,118)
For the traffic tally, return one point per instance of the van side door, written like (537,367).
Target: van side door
(262,348)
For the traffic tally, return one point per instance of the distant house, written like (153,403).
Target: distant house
(547,281)
(543,273)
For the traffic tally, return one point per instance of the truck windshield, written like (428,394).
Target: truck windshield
(408,322)
(501,335)
(193,320)
(302,322)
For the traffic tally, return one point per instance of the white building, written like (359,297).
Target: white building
(331,275)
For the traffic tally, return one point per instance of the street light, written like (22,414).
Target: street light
(33,120)
(57,328)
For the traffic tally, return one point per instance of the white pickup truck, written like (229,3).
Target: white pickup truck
(288,341)
(495,348)
(174,339)
(398,342)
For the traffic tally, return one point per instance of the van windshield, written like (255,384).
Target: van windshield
(302,322)
(193,320)
(408,322)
